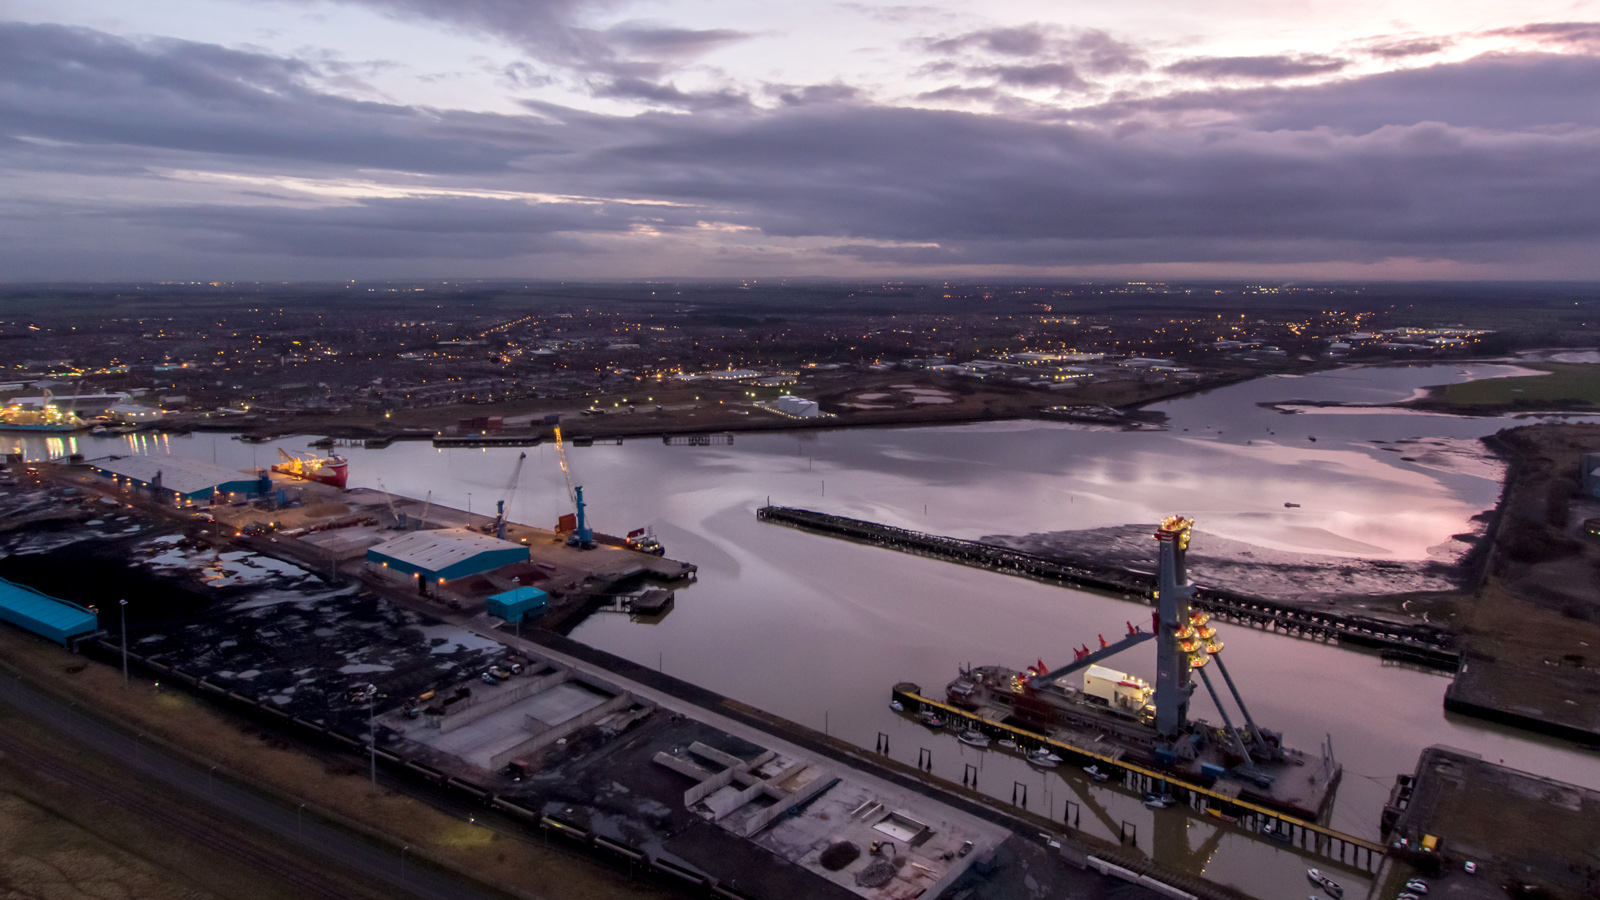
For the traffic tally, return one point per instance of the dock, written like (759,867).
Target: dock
(1424,645)
(1302,831)
(1514,827)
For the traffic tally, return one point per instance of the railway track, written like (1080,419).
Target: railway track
(208,831)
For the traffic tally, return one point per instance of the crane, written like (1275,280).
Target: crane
(426,505)
(582,537)
(398,521)
(505,499)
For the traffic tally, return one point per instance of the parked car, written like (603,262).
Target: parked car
(1417,886)
(486,678)
(499,673)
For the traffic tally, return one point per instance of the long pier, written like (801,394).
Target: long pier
(1421,644)
(1308,835)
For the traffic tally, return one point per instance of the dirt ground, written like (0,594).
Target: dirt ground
(514,862)
(1535,622)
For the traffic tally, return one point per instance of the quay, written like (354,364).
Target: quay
(1303,833)
(1512,827)
(1423,645)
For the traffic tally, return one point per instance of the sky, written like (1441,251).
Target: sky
(295,140)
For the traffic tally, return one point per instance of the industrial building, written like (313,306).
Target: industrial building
(181,480)
(514,605)
(798,407)
(44,615)
(445,554)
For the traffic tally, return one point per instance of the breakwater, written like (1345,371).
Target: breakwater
(1422,644)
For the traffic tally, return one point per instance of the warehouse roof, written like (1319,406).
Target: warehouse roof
(186,476)
(24,605)
(440,549)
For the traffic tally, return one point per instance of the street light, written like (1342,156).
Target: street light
(122,605)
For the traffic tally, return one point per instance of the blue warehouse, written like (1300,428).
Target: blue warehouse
(446,554)
(44,615)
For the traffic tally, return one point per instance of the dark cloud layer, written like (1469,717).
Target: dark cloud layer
(1493,159)
(1257,67)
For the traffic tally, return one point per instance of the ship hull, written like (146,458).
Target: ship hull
(334,474)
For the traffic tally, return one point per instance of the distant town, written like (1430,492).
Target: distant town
(398,357)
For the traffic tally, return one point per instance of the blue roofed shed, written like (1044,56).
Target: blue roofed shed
(44,615)
(514,604)
(446,554)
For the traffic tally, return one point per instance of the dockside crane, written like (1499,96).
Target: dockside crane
(399,520)
(505,499)
(582,536)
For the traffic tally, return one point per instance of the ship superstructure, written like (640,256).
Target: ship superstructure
(46,416)
(1115,714)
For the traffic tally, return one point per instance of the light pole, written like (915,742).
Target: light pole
(300,820)
(372,737)
(469,509)
(122,606)
(403,861)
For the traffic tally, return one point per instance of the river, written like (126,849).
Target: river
(818,630)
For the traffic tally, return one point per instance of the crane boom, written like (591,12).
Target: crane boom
(390,500)
(561,454)
(505,499)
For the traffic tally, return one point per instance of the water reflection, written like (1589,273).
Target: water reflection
(817,630)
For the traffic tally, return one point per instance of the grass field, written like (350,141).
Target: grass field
(1567,385)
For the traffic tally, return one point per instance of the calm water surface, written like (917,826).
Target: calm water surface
(818,630)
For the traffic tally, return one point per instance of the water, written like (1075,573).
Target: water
(818,630)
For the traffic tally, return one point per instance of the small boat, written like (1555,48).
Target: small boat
(1291,506)
(1154,802)
(897,706)
(1272,831)
(1096,774)
(1007,743)
(931,719)
(1334,888)
(973,737)
(1044,759)
(1219,814)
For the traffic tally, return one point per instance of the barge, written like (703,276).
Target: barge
(1108,714)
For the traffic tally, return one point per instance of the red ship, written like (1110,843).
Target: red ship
(322,469)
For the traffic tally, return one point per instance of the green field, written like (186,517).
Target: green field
(1567,386)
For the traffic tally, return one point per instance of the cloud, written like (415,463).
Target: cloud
(1256,67)
(957,93)
(1506,92)
(1580,35)
(454,228)
(669,95)
(1400,49)
(1492,161)
(552,32)
(1056,75)
(663,42)
(1092,50)
(798,95)
(85,87)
